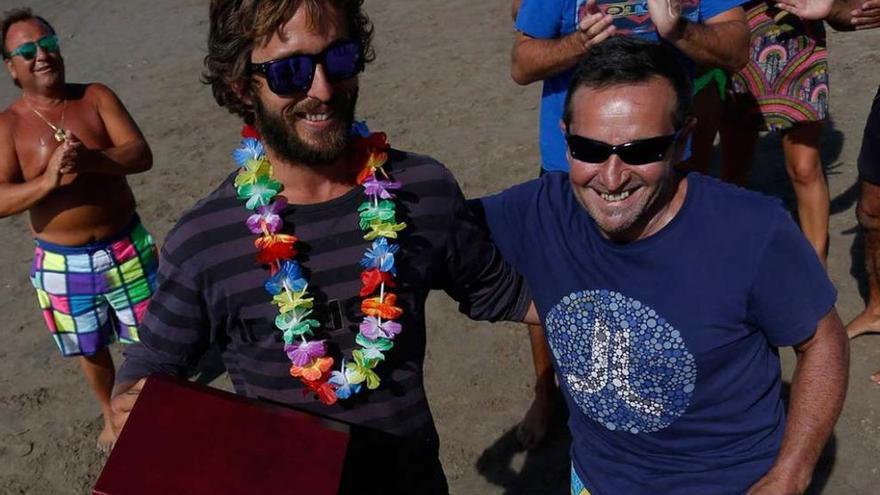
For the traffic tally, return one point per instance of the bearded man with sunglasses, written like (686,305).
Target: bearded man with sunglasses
(665,298)
(65,150)
(338,330)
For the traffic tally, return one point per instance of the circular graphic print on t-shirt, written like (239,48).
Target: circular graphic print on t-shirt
(624,365)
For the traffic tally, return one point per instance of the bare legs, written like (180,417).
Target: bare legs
(708,111)
(100,374)
(800,144)
(737,150)
(868,213)
(804,167)
(534,427)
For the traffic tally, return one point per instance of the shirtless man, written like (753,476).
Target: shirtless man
(65,150)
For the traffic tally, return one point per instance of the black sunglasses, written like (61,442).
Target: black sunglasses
(633,153)
(294,74)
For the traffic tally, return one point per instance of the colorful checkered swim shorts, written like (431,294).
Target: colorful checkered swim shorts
(577,486)
(78,285)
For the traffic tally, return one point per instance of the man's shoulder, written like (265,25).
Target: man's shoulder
(417,171)
(90,90)
(739,210)
(199,226)
(8,120)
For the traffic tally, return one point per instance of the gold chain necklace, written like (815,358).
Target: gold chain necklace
(59,130)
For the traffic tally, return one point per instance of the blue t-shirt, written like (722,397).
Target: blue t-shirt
(666,347)
(550,19)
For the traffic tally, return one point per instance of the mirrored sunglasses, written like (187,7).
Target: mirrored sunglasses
(28,51)
(294,74)
(639,152)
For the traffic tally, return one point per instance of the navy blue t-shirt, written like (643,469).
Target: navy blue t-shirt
(666,347)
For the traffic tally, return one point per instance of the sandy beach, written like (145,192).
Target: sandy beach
(440,86)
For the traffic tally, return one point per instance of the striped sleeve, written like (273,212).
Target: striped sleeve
(485,286)
(175,332)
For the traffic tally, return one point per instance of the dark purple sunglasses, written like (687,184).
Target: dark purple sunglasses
(294,74)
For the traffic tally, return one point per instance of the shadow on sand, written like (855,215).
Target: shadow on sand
(544,470)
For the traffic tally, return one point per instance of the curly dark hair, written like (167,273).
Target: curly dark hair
(237,24)
(10,17)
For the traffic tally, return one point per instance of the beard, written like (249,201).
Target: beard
(279,130)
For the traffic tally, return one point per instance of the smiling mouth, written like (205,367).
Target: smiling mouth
(614,198)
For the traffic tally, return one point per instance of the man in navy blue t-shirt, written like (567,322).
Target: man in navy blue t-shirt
(552,35)
(666,298)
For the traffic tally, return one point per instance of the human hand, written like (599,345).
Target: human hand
(594,28)
(867,16)
(774,483)
(812,10)
(665,14)
(61,162)
(75,154)
(122,403)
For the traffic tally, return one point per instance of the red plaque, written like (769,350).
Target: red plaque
(187,438)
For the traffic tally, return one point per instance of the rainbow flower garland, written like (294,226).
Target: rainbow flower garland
(288,287)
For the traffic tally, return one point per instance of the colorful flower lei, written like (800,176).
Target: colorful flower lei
(288,287)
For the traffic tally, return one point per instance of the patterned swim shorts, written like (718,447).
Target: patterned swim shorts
(78,285)
(577,486)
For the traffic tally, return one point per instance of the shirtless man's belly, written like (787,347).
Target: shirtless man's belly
(86,207)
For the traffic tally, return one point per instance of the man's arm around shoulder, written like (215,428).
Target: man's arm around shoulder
(818,388)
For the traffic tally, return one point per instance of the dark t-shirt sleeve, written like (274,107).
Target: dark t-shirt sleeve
(486,287)
(175,332)
(504,215)
(791,291)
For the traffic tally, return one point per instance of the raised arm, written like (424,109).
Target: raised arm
(818,388)
(850,15)
(721,41)
(130,153)
(535,59)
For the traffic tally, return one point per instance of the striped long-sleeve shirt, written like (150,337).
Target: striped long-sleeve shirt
(211,293)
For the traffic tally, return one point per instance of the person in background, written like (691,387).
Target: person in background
(552,36)
(65,152)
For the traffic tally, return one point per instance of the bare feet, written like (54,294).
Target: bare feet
(876,378)
(106,439)
(865,322)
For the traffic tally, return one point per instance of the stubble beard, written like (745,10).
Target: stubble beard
(616,222)
(279,133)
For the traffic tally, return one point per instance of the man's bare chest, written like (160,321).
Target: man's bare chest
(35,135)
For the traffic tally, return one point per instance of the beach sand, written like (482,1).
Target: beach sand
(440,86)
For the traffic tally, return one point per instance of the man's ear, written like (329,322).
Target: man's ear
(243,92)
(684,137)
